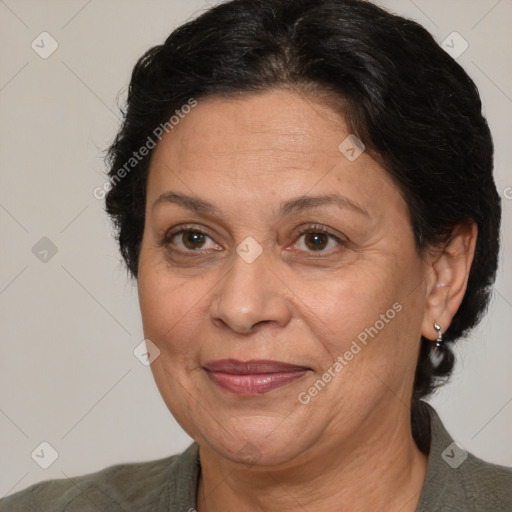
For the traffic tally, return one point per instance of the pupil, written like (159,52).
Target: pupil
(317,240)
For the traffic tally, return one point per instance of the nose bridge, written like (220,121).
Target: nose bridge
(249,294)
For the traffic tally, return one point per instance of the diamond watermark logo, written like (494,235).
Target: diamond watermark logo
(146,352)
(352,148)
(250,453)
(44,455)
(44,250)
(454,455)
(44,45)
(249,249)
(455,45)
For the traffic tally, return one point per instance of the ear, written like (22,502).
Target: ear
(449,273)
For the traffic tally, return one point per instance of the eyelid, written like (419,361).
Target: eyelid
(320,228)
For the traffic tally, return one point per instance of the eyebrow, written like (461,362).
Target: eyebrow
(305,202)
(292,206)
(188,202)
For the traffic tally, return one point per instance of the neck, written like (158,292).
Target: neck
(380,468)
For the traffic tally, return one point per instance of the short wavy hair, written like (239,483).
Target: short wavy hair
(415,108)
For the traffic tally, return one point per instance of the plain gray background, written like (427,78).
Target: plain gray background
(69,324)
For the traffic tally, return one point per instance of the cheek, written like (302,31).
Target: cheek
(350,303)
(371,313)
(171,308)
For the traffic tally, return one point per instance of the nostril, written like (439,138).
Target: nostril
(262,322)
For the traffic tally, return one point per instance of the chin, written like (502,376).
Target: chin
(257,441)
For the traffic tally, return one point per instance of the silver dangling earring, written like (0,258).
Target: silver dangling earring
(439,340)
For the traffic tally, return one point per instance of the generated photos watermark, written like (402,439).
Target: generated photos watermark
(304,397)
(144,150)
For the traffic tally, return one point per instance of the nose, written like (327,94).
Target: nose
(250,296)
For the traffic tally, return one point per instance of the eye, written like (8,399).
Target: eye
(317,239)
(191,240)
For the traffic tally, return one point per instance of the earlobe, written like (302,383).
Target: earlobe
(449,277)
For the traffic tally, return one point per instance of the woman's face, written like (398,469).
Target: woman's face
(330,320)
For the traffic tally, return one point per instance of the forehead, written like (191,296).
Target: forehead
(280,124)
(261,143)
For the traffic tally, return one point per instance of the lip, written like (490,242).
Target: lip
(253,377)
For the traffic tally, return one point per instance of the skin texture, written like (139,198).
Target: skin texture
(351,444)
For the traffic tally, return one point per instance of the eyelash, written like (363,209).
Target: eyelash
(312,229)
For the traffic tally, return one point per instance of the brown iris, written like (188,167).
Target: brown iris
(316,241)
(193,239)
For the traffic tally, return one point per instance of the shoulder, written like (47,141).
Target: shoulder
(138,486)
(458,480)
(488,486)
